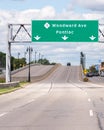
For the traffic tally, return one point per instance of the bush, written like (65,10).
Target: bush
(85,79)
(2,80)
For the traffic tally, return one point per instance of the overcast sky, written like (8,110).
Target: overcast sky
(23,11)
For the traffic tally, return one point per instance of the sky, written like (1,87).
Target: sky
(23,11)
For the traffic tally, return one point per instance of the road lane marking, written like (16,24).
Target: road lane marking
(89,100)
(32,100)
(91,113)
(50,87)
(86,93)
(3,114)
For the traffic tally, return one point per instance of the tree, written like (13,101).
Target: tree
(2,59)
(53,63)
(17,63)
(44,61)
(92,69)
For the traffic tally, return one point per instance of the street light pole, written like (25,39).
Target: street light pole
(82,60)
(39,58)
(18,60)
(35,56)
(42,58)
(29,50)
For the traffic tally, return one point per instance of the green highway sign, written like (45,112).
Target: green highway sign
(65,31)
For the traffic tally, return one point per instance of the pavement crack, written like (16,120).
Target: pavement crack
(99,121)
(50,87)
(93,102)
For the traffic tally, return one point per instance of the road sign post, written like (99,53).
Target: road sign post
(64,31)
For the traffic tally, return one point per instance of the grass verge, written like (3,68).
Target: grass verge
(11,89)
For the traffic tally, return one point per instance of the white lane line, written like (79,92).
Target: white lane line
(3,114)
(91,113)
(86,93)
(89,100)
(32,100)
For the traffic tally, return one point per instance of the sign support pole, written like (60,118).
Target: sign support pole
(8,55)
(12,38)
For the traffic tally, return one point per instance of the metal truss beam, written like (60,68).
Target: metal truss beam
(17,33)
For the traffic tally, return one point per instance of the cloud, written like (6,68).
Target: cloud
(26,16)
(95,5)
(6,17)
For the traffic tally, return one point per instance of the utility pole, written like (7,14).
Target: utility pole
(18,60)
(39,58)
(35,56)
(82,60)
(29,50)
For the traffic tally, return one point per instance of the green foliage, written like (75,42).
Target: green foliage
(2,59)
(2,80)
(17,63)
(85,79)
(44,61)
(92,69)
(53,63)
(8,90)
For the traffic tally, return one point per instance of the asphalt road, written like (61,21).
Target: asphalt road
(60,102)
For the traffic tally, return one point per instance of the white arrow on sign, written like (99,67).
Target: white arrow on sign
(92,38)
(64,37)
(37,37)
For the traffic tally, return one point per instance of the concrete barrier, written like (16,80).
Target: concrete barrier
(37,78)
(23,68)
(10,84)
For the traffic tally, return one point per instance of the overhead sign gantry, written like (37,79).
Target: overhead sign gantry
(84,30)
(64,31)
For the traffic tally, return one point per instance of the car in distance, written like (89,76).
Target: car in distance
(96,74)
(68,64)
(89,74)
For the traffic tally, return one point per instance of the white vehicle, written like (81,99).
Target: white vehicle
(101,69)
(102,73)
